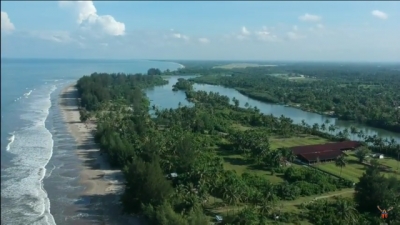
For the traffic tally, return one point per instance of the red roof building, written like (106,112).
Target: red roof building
(324,152)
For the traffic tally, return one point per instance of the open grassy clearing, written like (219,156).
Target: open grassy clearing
(293,205)
(292,77)
(241,165)
(277,142)
(283,206)
(239,65)
(354,170)
(393,163)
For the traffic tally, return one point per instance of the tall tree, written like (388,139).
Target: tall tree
(341,162)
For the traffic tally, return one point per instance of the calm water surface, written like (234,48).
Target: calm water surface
(164,97)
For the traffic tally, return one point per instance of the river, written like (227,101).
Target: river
(163,97)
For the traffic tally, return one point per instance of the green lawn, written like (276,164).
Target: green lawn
(393,163)
(239,164)
(296,141)
(354,170)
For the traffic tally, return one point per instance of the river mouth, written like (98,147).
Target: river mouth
(164,98)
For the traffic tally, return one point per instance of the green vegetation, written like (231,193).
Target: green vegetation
(363,93)
(188,164)
(183,84)
(154,71)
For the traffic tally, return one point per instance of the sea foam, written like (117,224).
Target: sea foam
(33,149)
(11,140)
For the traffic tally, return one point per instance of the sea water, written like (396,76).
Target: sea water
(39,167)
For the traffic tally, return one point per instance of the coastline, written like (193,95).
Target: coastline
(103,185)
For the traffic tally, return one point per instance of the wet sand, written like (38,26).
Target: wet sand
(103,185)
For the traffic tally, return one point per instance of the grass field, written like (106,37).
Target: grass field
(393,163)
(277,142)
(354,170)
(239,65)
(239,164)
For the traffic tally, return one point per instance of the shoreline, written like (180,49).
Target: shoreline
(103,184)
(330,116)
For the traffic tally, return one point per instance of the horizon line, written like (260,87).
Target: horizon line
(203,60)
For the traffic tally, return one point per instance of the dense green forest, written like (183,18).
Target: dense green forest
(186,165)
(182,84)
(364,93)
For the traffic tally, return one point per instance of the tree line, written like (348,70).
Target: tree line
(361,93)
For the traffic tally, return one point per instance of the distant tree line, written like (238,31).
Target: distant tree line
(360,93)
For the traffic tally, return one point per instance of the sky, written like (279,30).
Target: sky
(204,30)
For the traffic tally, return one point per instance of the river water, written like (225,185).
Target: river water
(163,97)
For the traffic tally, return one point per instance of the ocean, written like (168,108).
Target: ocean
(39,167)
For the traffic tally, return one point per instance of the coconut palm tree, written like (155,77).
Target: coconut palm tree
(346,212)
(323,127)
(398,155)
(341,162)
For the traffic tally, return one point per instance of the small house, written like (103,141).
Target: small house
(172,175)
(218,219)
(378,156)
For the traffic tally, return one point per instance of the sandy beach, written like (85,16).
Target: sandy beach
(103,185)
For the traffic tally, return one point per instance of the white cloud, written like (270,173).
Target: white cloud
(265,35)
(180,36)
(204,40)
(379,14)
(88,18)
(244,34)
(295,28)
(245,31)
(320,26)
(294,36)
(310,18)
(6,24)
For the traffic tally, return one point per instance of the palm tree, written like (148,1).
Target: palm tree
(341,162)
(353,130)
(398,155)
(331,128)
(323,127)
(346,212)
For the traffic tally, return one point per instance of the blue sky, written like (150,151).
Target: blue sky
(306,31)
